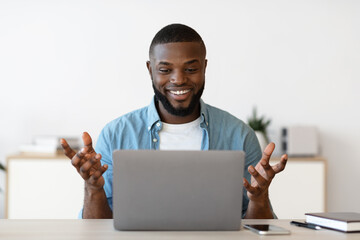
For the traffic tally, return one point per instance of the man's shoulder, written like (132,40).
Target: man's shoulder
(218,115)
(229,132)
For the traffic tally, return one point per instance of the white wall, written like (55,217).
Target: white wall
(71,66)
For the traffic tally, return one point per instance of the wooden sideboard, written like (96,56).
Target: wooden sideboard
(300,188)
(48,187)
(42,187)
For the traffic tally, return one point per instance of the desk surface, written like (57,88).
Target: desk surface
(103,229)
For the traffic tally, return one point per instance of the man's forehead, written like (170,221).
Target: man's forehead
(178,50)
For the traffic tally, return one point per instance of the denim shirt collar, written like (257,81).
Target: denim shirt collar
(153,116)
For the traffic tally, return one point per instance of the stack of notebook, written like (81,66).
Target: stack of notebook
(341,221)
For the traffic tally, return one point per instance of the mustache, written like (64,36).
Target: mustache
(172,85)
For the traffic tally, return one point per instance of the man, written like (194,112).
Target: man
(177,118)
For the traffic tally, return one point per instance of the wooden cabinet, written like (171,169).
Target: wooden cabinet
(300,188)
(42,187)
(49,187)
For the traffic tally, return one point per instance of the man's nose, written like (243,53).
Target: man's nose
(178,77)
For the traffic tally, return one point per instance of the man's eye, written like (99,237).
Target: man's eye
(191,69)
(164,70)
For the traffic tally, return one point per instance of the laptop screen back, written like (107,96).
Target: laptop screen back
(177,190)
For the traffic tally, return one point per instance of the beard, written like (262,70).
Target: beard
(181,112)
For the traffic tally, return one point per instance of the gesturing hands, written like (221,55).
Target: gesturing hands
(262,175)
(87,162)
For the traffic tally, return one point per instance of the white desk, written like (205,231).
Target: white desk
(103,229)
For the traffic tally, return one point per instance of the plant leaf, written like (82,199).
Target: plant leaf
(2,167)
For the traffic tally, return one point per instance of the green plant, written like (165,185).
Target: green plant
(259,123)
(2,168)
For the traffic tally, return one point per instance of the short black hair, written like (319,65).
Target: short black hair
(176,33)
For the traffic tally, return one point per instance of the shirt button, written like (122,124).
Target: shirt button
(158,124)
(154,140)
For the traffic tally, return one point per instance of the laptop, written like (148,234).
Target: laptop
(177,190)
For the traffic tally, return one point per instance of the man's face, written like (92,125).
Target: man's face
(177,71)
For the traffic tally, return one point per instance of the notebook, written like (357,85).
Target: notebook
(341,221)
(177,190)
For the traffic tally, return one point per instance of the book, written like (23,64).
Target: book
(54,141)
(38,149)
(49,145)
(341,221)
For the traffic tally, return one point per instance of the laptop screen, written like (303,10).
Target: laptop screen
(177,190)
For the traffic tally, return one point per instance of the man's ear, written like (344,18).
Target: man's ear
(148,65)
(205,65)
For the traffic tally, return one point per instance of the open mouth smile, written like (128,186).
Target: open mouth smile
(180,92)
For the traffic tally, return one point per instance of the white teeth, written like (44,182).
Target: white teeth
(181,92)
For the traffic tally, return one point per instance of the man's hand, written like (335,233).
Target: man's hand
(261,177)
(87,163)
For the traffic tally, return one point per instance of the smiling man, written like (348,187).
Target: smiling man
(177,71)
(176,119)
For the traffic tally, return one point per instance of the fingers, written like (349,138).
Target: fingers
(249,188)
(263,173)
(269,171)
(264,162)
(96,176)
(69,152)
(87,142)
(85,168)
(268,151)
(78,159)
(86,161)
(261,181)
(281,165)
(86,154)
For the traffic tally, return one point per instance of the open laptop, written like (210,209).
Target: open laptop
(177,190)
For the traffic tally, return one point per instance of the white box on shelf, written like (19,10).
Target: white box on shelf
(300,141)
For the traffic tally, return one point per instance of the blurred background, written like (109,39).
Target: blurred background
(72,66)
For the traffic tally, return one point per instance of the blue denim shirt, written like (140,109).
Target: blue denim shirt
(140,130)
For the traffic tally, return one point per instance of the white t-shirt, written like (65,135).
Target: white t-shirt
(185,136)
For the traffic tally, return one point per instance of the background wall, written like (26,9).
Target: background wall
(72,66)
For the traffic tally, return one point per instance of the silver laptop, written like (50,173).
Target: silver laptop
(177,190)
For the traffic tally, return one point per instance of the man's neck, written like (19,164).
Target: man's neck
(166,117)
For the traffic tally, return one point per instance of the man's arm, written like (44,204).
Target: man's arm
(87,163)
(96,204)
(258,190)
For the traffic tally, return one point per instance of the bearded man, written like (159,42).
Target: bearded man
(176,119)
